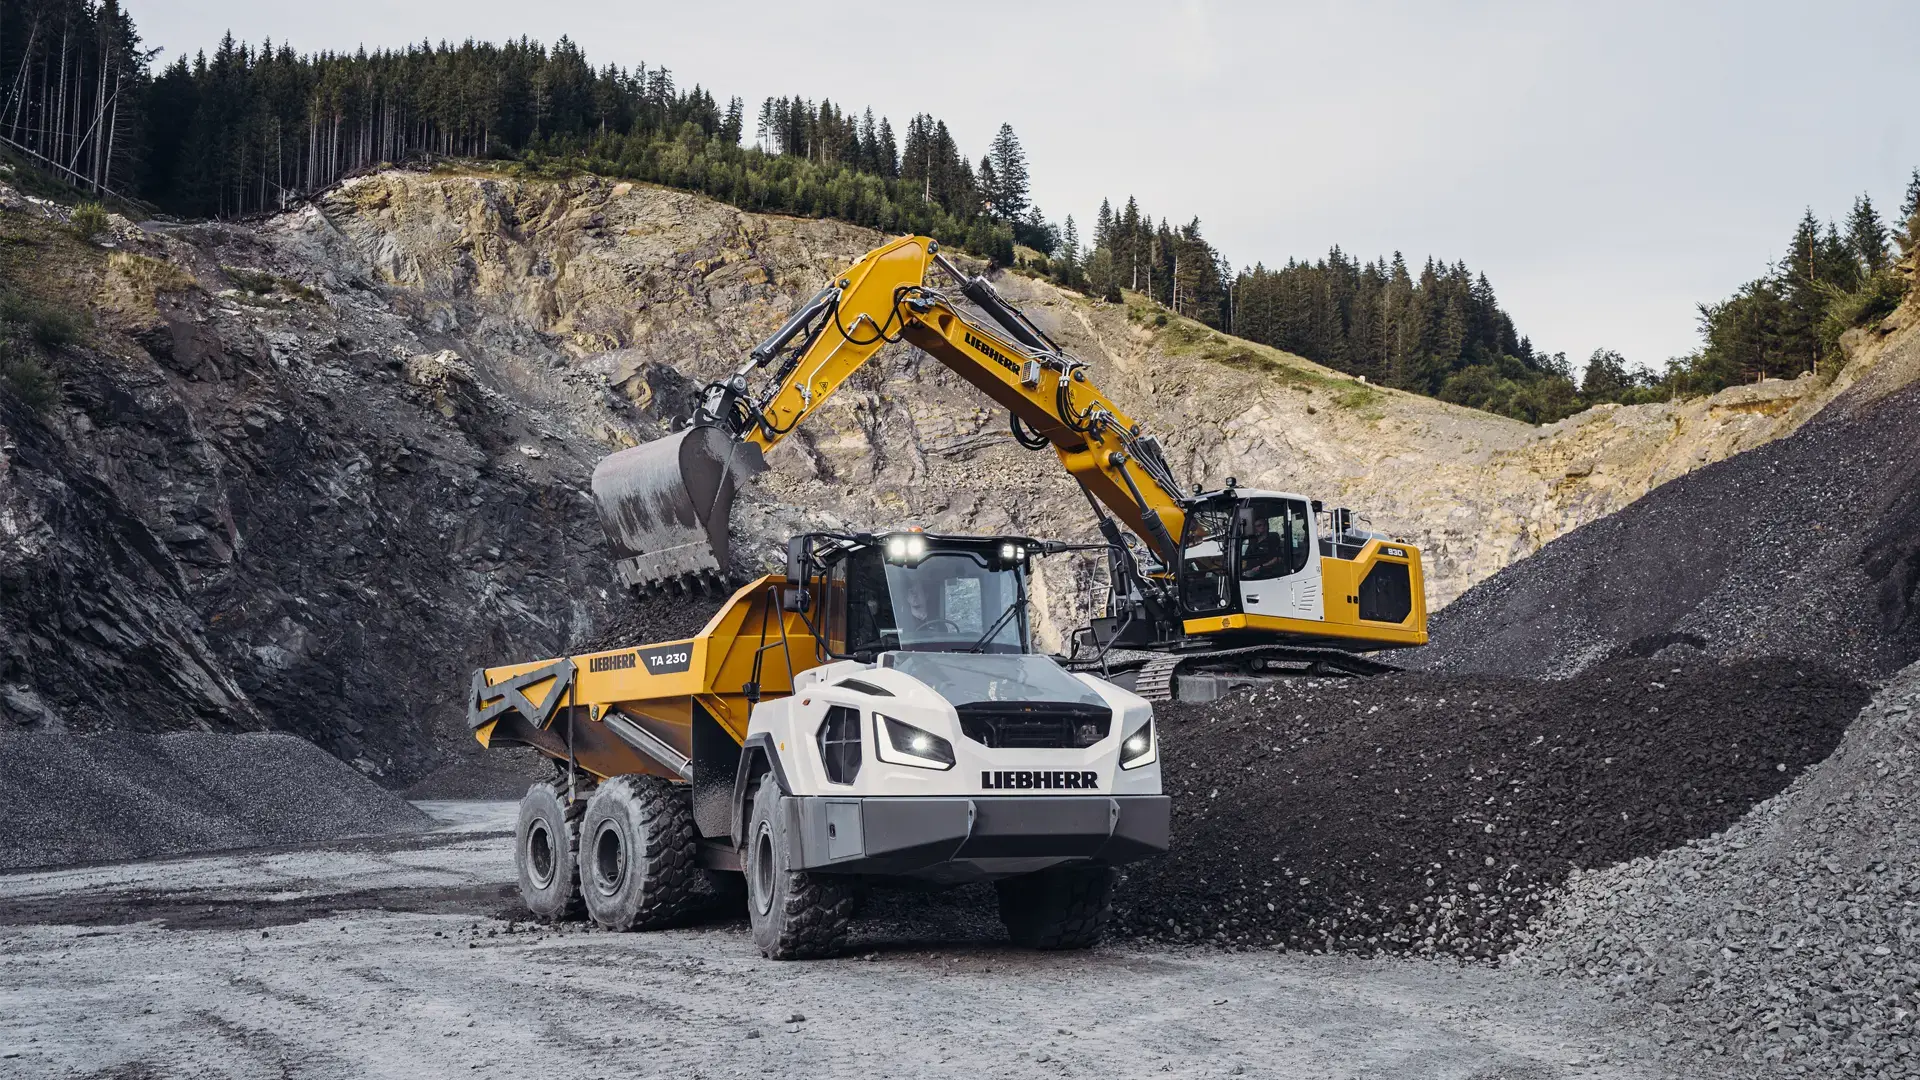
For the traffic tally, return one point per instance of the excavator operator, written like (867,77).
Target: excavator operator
(1263,554)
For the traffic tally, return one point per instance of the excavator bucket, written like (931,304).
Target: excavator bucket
(665,504)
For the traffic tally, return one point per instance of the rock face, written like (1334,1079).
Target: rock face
(307,472)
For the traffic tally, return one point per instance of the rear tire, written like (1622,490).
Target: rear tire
(1063,907)
(637,846)
(795,915)
(546,852)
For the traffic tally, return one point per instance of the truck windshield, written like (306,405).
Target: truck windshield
(950,601)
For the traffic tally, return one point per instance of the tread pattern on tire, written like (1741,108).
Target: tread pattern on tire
(818,908)
(575,908)
(667,861)
(1064,907)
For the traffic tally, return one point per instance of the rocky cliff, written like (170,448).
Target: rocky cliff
(307,472)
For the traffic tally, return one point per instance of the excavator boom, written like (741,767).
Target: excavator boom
(1274,576)
(665,504)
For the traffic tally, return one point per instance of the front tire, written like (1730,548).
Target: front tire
(546,841)
(1062,907)
(795,915)
(637,848)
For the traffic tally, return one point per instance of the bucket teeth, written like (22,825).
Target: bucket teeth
(703,583)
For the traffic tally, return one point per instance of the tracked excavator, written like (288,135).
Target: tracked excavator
(1222,587)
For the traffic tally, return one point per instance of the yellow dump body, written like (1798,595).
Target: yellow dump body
(634,709)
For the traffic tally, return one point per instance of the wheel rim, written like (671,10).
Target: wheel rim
(540,854)
(763,870)
(609,859)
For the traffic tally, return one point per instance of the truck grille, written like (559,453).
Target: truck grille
(1034,725)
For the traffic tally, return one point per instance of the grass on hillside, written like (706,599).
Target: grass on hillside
(1178,335)
(47,273)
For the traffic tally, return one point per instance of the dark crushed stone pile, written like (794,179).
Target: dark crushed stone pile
(1785,945)
(101,798)
(667,615)
(1430,814)
(1806,547)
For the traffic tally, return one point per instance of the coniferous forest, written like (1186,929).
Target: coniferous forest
(244,129)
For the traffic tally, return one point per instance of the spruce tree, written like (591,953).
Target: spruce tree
(1008,193)
(1909,223)
(889,152)
(1867,236)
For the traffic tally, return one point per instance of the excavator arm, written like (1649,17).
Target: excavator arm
(665,504)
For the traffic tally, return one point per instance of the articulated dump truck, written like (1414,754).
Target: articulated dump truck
(876,712)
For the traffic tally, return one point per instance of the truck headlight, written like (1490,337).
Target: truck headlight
(1139,747)
(901,743)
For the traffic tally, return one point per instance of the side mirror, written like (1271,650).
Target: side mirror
(799,554)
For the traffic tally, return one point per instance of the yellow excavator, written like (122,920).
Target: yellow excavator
(1233,584)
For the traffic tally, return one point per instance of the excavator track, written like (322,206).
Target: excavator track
(1157,678)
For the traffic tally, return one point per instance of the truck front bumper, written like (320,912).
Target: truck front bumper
(974,836)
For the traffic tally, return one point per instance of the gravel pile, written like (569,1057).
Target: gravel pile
(502,773)
(1790,943)
(1806,547)
(101,798)
(1434,814)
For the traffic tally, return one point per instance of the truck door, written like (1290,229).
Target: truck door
(1279,560)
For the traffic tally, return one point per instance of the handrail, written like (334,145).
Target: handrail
(752,688)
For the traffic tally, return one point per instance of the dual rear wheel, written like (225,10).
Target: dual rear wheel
(626,858)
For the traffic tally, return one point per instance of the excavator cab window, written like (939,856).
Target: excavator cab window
(1274,538)
(1206,576)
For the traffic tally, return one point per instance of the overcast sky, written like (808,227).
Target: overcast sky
(1608,165)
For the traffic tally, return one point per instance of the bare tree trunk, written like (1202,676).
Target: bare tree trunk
(113,128)
(22,81)
(60,99)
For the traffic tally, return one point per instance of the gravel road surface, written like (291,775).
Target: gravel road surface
(403,957)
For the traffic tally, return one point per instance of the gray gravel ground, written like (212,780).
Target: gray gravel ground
(399,956)
(1788,945)
(97,798)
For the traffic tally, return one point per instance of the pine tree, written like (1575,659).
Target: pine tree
(889,153)
(1069,257)
(730,128)
(1007,195)
(1802,300)
(1909,233)
(1867,236)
